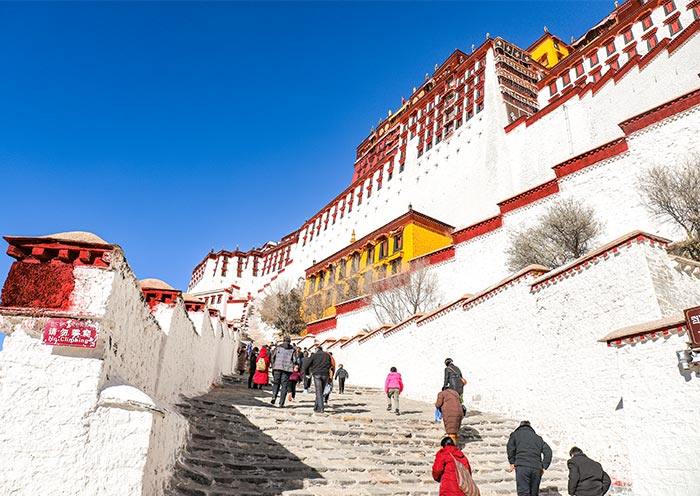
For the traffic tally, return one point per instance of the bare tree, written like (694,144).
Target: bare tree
(674,194)
(564,233)
(281,308)
(396,298)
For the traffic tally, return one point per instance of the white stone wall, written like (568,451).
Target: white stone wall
(461,179)
(352,323)
(535,355)
(62,428)
(660,414)
(46,401)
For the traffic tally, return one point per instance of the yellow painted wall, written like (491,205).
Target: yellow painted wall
(417,240)
(426,240)
(554,54)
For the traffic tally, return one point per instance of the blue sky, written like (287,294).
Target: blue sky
(174,128)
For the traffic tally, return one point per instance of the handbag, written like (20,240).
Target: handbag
(327,390)
(464,479)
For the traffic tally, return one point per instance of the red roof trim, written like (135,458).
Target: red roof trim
(352,340)
(478,229)
(661,112)
(672,17)
(351,305)
(608,150)
(601,253)
(537,193)
(436,256)
(410,216)
(662,330)
(401,325)
(684,36)
(500,286)
(515,123)
(321,325)
(622,72)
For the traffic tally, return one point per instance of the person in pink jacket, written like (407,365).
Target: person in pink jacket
(393,387)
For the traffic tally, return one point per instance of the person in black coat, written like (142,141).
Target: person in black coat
(319,367)
(453,378)
(251,368)
(586,476)
(529,456)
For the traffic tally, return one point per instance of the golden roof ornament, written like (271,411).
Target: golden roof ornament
(352,237)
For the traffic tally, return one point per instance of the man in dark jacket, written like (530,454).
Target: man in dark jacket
(529,456)
(282,367)
(319,366)
(453,378)
(586,477)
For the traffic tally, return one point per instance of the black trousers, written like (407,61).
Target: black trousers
(320,382)
(307,382)
(250,379)
(527,480)
(280,377)
(341,384)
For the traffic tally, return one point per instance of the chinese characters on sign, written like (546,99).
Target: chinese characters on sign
(70,332)
(692,320)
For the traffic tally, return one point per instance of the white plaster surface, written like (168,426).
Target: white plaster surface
(101,421)
(535,355)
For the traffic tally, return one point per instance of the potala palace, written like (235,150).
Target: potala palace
(95,361)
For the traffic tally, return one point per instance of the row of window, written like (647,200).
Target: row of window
(212,299)
(674,26)
(372,254)
(309,235)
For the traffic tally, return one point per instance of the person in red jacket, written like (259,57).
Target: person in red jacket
(444,470)
(261,377)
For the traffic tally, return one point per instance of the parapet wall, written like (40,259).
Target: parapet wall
(528,347)
(91,368)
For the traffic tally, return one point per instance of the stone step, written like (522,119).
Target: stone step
(241,444)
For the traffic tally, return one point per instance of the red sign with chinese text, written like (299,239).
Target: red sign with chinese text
(692,319)
(70,332)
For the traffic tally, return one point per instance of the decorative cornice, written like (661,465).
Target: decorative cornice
(46,249)
(351,305)
(608,150)
(478,229)
(321,325)
(532,195)
(661,112)
(648,331)
(527,272)
(605,252)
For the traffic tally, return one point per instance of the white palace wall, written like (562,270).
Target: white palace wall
(534,354)
(100,419)
(461,179)
(659,401)
(529,349)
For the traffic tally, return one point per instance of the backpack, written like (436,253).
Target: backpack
(283,359)
(464,479)
(260,365)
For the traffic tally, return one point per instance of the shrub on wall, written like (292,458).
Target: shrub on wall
(564,233)
(674,194)
(281,308)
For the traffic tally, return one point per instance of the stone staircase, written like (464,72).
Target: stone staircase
(242,445)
